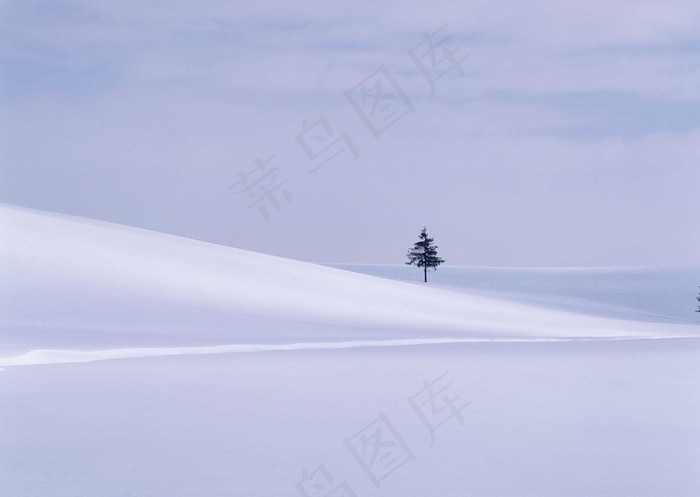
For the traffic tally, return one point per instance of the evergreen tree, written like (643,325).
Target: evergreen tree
(698,299)
(424,254)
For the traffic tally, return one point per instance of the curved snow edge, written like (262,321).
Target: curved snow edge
(57,356)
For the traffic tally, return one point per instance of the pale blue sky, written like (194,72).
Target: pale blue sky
(572,136)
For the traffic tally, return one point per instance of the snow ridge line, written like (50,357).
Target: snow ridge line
(57,356)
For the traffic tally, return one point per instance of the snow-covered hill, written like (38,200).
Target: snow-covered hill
(242,374)
(76,283)
(661,295)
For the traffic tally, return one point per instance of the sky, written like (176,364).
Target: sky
(537,133)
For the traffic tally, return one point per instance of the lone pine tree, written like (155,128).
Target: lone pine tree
(424,254)
(698,299)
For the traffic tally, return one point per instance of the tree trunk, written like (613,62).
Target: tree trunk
(425,274)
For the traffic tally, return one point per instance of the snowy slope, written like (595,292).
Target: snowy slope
(663,295)
(74,282)
(240,373)
(593,419)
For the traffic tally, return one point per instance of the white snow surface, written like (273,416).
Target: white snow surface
(142,364)
(72,282)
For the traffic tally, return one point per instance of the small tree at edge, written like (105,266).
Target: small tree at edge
(424,254)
